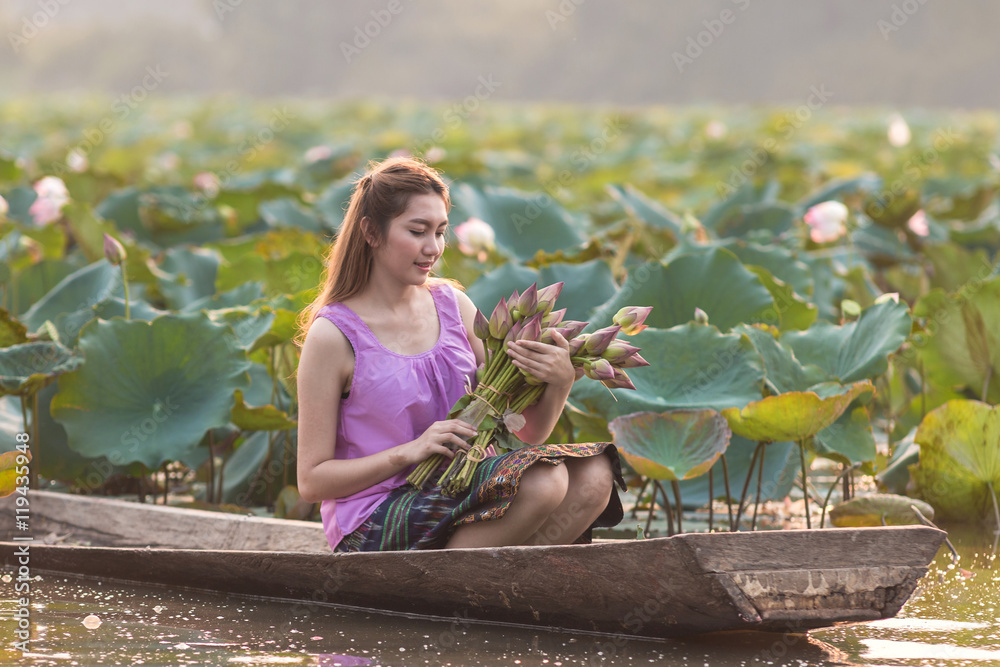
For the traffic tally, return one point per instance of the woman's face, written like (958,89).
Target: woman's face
(415,240)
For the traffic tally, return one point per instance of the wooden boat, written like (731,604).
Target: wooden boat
(784,581)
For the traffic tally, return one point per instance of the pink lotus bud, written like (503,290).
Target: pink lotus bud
(635,361)
(599,369)
(547,297)
(700,316)
(481,325)
(826,221)
(114,251)
(576,344)
(475,236)
(618,351)
(514,333)
(512,305)
(621,380)
(528,302)
(552,318)
(532,329)
(4,207)
(631,319)
(52,195)
(598,341)
(572,328)
(500,321)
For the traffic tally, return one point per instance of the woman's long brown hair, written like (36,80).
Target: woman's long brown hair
(382,194)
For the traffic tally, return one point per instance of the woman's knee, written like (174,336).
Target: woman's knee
(591,479)
(544,486)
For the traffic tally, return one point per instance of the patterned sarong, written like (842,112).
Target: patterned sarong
(412,518)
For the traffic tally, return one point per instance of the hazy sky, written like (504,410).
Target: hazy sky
(865,52)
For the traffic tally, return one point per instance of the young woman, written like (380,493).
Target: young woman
(387,351)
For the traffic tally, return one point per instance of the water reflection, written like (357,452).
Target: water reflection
(953,618)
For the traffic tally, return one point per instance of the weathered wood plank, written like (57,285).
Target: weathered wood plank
(827,548)
(106,521)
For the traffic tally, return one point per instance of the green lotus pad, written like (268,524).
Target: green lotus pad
(674,445)
(879,509)
(795,415)
(149,390)
(27,368)
(959,465)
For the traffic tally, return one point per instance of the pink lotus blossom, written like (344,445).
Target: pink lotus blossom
(715,129)
(899,132)
(475,237)
(4,207)
(317,153)
(918,223)
(826,221)
(77,161)
(207,182)
(435,154)
(52,195)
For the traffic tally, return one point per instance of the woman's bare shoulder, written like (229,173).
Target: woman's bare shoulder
(327,346)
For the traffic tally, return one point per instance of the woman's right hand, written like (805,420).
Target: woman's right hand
(443,437)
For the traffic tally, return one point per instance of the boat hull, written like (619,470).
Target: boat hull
(785,581)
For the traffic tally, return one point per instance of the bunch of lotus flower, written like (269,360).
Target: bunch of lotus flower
(503,390)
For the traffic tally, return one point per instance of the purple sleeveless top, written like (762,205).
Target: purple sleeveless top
(393,399)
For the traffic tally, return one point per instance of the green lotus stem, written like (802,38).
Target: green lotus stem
(729,495)
(805,482)
(125,283)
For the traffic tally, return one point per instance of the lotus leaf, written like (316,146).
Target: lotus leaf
(856,350)
(641,207)
(848,440)
(693,367)
(28,367)
(81,289)
(241,295)
(149,391)
(794,415)
(262,418)
(781,467)
(782,371)
(959,466)
(712,279)
(879,509)
(190,275)
(793,311)
(12,332)
(962,344)
(674,445)
(586,285)
(839,187)
(8,471)
(523,223)
(782,263)
(249,323)
(776,217)
(288,212)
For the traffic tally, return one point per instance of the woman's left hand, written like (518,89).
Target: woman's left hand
(548,362)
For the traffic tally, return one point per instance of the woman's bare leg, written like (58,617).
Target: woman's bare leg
(590,486)
(541,491)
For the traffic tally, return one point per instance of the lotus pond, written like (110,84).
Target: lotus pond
(825,288)
(953,618)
